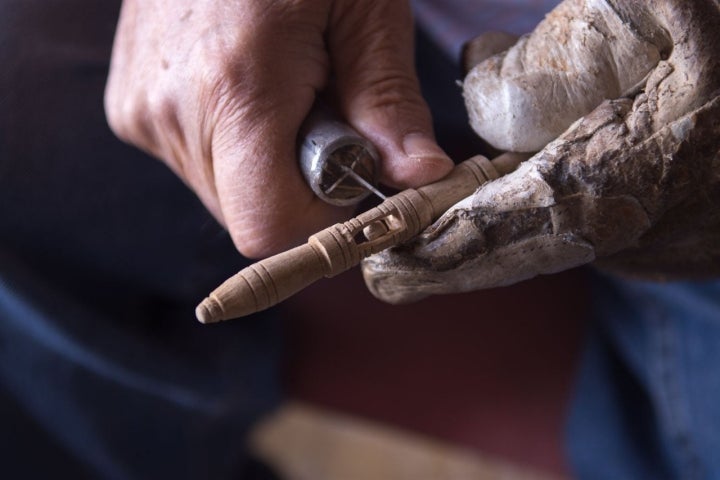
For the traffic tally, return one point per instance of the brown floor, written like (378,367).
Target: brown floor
(489,371)
(305,443)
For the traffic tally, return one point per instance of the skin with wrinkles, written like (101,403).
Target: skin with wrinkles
(631,183)
(218,90)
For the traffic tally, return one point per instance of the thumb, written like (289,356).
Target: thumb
(371,47)
(580,55)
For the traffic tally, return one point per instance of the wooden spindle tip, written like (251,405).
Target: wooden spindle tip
(209,311)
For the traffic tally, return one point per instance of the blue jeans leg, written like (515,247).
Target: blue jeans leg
(647,403)
(103,255)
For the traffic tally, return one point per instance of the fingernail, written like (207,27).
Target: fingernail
(420,147)
(429,162)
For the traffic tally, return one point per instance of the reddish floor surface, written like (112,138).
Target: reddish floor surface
(490,370)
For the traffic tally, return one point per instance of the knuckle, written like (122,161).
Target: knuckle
(391,90)
(123,116)
(255,240)
(113,109)
(142,115)
(257,231)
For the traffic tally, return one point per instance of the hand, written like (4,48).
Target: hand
(634,183)
(218,90)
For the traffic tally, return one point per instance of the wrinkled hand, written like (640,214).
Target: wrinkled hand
(633,182)
(218,90)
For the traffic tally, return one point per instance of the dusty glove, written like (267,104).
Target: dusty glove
(631,183)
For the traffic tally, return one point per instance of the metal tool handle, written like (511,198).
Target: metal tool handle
(328,148)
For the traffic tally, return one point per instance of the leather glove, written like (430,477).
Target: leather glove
(621,101)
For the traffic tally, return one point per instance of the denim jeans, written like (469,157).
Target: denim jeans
(647,397)
(103,255)
(104,252)
(647,403)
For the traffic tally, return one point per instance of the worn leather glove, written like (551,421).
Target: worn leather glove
(621,99)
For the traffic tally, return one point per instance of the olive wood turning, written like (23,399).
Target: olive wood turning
(343,245)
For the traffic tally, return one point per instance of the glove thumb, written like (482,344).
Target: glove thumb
(583,53)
